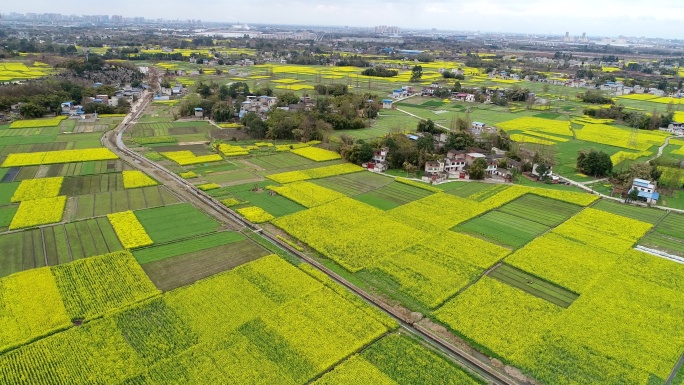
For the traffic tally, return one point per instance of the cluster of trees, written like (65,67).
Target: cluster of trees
(635,119)
(331,89)
(595,163)
(34,45)
(416,73)
(595,97)
(342,112)
(585,73)
(451,75)
(353,61)
(381,72)
(38,97)
(299,125)
(425,58)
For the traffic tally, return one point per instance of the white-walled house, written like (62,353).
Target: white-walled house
(646,190)
(434,166)
(455,163)
(379,162)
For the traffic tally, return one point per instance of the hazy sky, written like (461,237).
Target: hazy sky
(656,18)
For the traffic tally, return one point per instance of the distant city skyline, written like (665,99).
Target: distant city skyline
(597,18)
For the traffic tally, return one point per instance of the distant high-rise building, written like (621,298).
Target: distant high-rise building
(384,29)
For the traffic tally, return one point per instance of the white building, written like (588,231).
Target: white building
(646,190)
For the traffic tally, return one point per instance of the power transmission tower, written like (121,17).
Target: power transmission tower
(633,138)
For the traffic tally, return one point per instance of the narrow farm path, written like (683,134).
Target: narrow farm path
(419,118)
(661,149)
(594,181)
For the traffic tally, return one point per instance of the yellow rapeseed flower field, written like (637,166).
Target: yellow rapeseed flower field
(61,156)
(307,194)
(620,137)
(548,126)
(255,214)
(32,306)
(37,188)
(315,173)
(185,158)
(135,178)
(32,123)
(316,154)
(38,212)
(620,156)
(130,231)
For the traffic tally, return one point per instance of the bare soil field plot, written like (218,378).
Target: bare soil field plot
(181,270)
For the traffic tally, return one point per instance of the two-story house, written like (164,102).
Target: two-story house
(434,171)
(646,190)
(379,162)
(455,163)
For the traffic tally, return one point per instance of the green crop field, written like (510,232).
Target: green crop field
(6,215)
(255,194)
(667,235)
(279,161)
(392,195)
(485,193)
(169,223)
(231,177)
(86,168)
(464,190)
(93,205)
(6,191)
(542,210)
(354,184)
(639,213)
(190,245)
(506,229)
(53,245)
(520,221)
(532,285)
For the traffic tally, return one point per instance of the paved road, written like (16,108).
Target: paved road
(113,140)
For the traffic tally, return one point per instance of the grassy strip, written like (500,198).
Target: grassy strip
(168,250)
